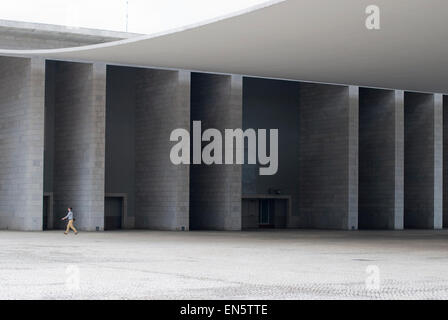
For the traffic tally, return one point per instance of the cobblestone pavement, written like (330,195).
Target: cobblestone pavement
(293,264)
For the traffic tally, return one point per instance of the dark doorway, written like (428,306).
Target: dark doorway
(46,212)
(113,213)
(264,213)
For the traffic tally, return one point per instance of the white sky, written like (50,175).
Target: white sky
(145,16)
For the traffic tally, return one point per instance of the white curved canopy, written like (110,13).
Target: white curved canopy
(310,40)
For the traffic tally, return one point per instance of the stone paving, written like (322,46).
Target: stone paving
(292,264)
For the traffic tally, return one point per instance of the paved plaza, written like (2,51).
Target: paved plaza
(292,264)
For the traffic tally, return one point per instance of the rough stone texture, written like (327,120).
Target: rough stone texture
(399,159)
(80,94)
(21,142)
(438,161)
(215,190)
(162,188)
(381,159)
(401,150)
(423,161)
(353,157)
(296,264)
(328,148)
(445,162)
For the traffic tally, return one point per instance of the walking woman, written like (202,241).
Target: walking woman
(70,219)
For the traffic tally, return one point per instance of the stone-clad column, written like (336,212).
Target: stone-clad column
(423,161)
(328,161)
(353,157)
(79,137)
(215,198)
(22,90)
(162,188)
(445,162)
(381,159)
(438,161)
(399,160)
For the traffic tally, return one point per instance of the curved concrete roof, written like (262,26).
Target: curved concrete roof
(310,40)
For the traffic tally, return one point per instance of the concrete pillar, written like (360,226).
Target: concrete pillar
(22,90)
(445,161)
(423,161)
(381,139)
(399,159)
(353,158)
(162,188)
(215,198)
(79,137)
(328,147)
(438,161)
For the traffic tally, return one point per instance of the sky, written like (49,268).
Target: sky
(144,16)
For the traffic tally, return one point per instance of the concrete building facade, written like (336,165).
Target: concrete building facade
(96,137)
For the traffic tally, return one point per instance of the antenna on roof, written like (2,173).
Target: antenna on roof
(127,14)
